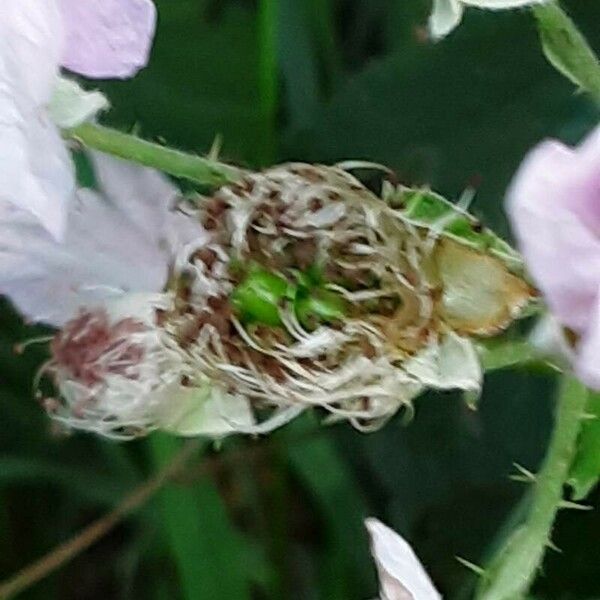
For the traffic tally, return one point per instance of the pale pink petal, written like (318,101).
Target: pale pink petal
(554,206)
(107,38)
(109,249)
(147,198)
(401,574)
(587,361)
(30,47)
(35,168)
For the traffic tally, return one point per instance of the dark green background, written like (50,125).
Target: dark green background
(281,517)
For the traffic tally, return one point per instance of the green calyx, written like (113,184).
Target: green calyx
(261,293)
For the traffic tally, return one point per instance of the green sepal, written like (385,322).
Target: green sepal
(424,208)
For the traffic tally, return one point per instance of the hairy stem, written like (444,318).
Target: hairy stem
(91,534)
(174,162)
(515,564)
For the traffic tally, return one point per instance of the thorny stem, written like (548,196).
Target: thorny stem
(515,564)
(91,534)
(174,162)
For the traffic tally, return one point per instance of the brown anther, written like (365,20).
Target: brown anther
(305,253)
(315,204)
(50,405)
(309,174)
(210,223)
(206,255)
(388,306)
(248,184)
(219,303)
(367,348)
(84,344)
(215,207)
(221,323)
(160,316)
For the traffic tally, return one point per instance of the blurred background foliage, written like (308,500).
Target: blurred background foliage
(281,517)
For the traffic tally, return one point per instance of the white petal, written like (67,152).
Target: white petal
(453,364)
(146,197)
(557,234)
(401,575)
(31,44)
(205,411)
(446,15)
(548,338)
(101,256)
(107,38)
(501,4)
(71,105)
(587,364)
(35,168)
(112,246)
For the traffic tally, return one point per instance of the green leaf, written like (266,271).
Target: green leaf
(88,486)
(208,552)
(339,500)
(566,48)
(586,468)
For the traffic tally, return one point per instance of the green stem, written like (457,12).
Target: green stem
(498,353)
(515,565)
(174,162)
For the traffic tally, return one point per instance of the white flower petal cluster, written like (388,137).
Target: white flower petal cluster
(447,14)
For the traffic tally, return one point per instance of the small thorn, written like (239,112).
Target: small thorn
(479,571)
(567,504)
(523,475)
(215,149)
(550,544)
(471,399)
(588,417)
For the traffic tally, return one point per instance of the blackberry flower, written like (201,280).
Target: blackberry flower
(295,288)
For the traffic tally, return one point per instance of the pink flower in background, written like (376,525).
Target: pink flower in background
(554,206)
(97,38)
(401,574)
